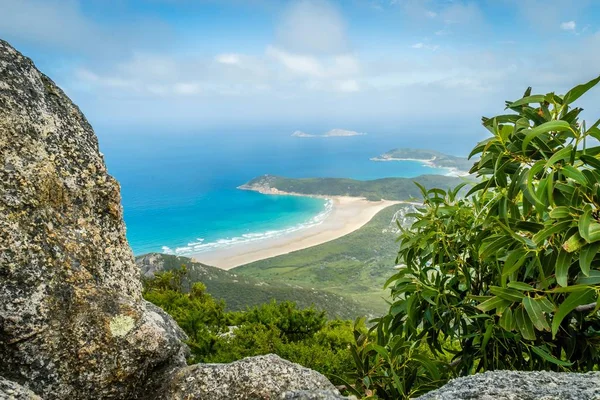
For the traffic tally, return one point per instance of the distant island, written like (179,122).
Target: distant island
(331,133)
(399,189)
(457,166)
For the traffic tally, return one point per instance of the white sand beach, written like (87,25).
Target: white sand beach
(347,215)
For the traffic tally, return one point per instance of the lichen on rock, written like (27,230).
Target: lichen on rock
(120,325)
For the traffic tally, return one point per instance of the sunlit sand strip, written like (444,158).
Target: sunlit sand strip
(348,214)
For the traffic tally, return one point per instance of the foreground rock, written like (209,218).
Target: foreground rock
(512,385)
(262,377)
(14,391)
(73,323)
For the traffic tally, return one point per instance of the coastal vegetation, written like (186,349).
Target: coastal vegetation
(239,291)
(301,335)
(377,189)
(507,277)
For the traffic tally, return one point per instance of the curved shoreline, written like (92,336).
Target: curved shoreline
(347,215)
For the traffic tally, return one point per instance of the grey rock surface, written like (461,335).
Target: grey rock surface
(262,377)
(515,385)
(314,395)
(73,323)
(13,391)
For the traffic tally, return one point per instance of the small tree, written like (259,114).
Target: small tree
(507,277)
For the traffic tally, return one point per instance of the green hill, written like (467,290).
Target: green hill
(240,291)
(356,265)
(436,158)
(386,188)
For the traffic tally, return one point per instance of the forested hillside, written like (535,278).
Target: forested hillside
(378,189)
(240,292)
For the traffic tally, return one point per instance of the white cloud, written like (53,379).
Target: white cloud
(231,59)
(315,67)
(62,25)
(422,45)
(296,63)
(568,26)
(308,70)
(312,27)
(348,86)
(458,13)
(186,88)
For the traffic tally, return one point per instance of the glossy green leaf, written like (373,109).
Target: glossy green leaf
(592,279)
(560,155)
(573,300)
(539,237)
(535,314)
(507,322)
(548,357)
(573,173)
(524,287)
(579,90)
(584,223)
(507,294)
(550,126)
(493,303)
(591,161)
(524,324)
(586,256)
(514,261)
(560,212)
(545,304)
(536,98)
(563,262)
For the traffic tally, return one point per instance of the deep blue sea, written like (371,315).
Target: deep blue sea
(179,191)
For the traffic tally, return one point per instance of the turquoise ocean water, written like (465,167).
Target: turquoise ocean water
(179,191)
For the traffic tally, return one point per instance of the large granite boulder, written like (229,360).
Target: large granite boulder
(515,385)
(73,323)
(262,377)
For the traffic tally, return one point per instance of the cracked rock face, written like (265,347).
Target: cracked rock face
(73,323)
(517,385)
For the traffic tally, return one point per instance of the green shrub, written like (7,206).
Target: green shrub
(304,336)
(508,277)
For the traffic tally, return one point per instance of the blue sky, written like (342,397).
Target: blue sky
(309,63)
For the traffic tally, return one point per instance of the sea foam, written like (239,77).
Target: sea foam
(199,245)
